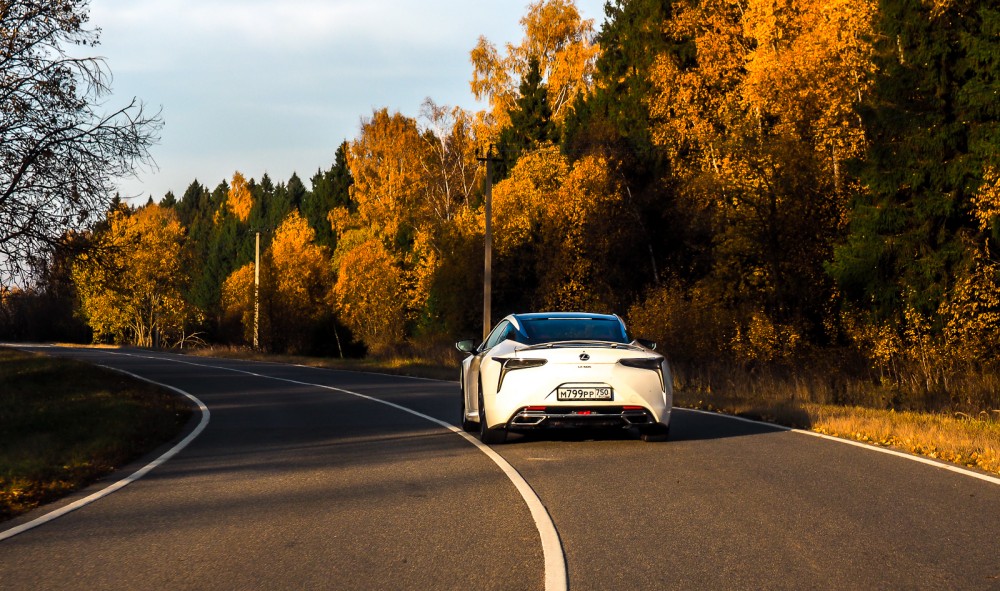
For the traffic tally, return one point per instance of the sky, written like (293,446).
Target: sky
(276,85)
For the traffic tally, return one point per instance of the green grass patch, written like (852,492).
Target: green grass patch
(63,424)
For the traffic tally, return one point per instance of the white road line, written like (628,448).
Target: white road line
(556,578)
(205,414)
(869,447)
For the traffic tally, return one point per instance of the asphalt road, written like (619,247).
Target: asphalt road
(297,486)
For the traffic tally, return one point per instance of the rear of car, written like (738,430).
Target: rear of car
(594,385)
(568,370)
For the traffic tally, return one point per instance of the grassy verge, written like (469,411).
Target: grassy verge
(65,424)
(972,441)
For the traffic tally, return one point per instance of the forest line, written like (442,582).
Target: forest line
(757,185)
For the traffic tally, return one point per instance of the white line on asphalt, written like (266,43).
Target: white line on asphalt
(10,533)
(552,552)
(884,450)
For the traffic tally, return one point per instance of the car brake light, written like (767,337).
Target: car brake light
(509,364)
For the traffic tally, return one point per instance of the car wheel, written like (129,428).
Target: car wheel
(467,425)
(487,435)
(657,432)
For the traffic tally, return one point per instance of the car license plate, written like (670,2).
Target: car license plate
(584,393)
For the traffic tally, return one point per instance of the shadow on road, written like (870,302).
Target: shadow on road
(685,425)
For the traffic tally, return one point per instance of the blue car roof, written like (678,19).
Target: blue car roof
(535,315)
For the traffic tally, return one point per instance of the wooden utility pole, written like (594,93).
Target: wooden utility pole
(256,292)
(488,263)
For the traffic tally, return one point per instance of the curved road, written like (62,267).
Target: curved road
(295,485)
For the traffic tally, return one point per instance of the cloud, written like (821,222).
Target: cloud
(277,84)
(285,24)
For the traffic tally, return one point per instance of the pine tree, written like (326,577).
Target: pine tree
(615,116)
(329,189)
(530,122)
(934,128)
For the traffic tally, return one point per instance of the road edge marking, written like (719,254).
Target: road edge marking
(120,484)
(868,446)
(556,575)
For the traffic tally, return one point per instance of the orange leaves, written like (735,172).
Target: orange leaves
(237,298)
(386,163)
(131,288)
(794,69)
(561,41)
(239,200)
(302,271)
(986,201)
(296,278)
(811,66)
(528,196)
(369,295)
(571,217)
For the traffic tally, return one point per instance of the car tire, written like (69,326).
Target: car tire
(656,432)
(486,435)
(467,425)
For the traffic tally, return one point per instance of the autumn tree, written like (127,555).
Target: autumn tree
(60,152)
(239,199)
(303,279)
(564,236)
(296,281)
(386,162)
(754,107)
(413,185)
(370,296)
(131,283)
(558,39)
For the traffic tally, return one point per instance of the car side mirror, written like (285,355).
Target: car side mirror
(466,346)
(646,343)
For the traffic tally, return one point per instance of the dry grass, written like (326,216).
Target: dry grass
(829,404)
(962,439)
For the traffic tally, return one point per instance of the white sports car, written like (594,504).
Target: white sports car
(551,370)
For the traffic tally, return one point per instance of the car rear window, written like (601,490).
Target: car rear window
(549,330)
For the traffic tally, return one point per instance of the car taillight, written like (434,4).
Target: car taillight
(650,363)
(509,364)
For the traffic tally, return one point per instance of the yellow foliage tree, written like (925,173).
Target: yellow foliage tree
(296,281)
(131,283)
(413,183)
(571,224)
(303,279)
(972,312)
(524,199)
(239,199)
(369,295)
(586,230)
(387,164)
(756,126)
(237,301)
(561,41)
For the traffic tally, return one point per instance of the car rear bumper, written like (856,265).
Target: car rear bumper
(555,417)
